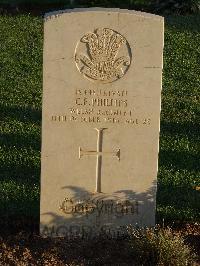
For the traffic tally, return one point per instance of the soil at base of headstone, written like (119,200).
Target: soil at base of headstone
(25,248)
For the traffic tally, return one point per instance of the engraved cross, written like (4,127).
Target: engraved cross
(99,153)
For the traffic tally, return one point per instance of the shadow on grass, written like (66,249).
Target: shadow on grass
(189,129)
(21,142)
(189,23)
(20,172)
(179,203)
(19,168)
(26,114)
(179,160)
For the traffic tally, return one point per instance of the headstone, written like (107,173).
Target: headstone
(100,122)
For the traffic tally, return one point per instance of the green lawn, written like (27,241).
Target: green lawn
(21,40)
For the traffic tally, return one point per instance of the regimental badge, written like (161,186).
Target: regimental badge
(103,56)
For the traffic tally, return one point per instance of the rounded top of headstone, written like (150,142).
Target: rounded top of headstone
(58,13)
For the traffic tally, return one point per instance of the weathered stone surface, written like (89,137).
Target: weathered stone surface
(101,116)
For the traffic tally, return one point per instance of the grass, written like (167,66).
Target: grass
(20,104)
(179,159)
(21,40)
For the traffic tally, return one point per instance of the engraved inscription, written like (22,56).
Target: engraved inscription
(95,105)
(103,55)
(98,153)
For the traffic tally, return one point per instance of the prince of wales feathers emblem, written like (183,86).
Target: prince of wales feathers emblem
(101,63)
